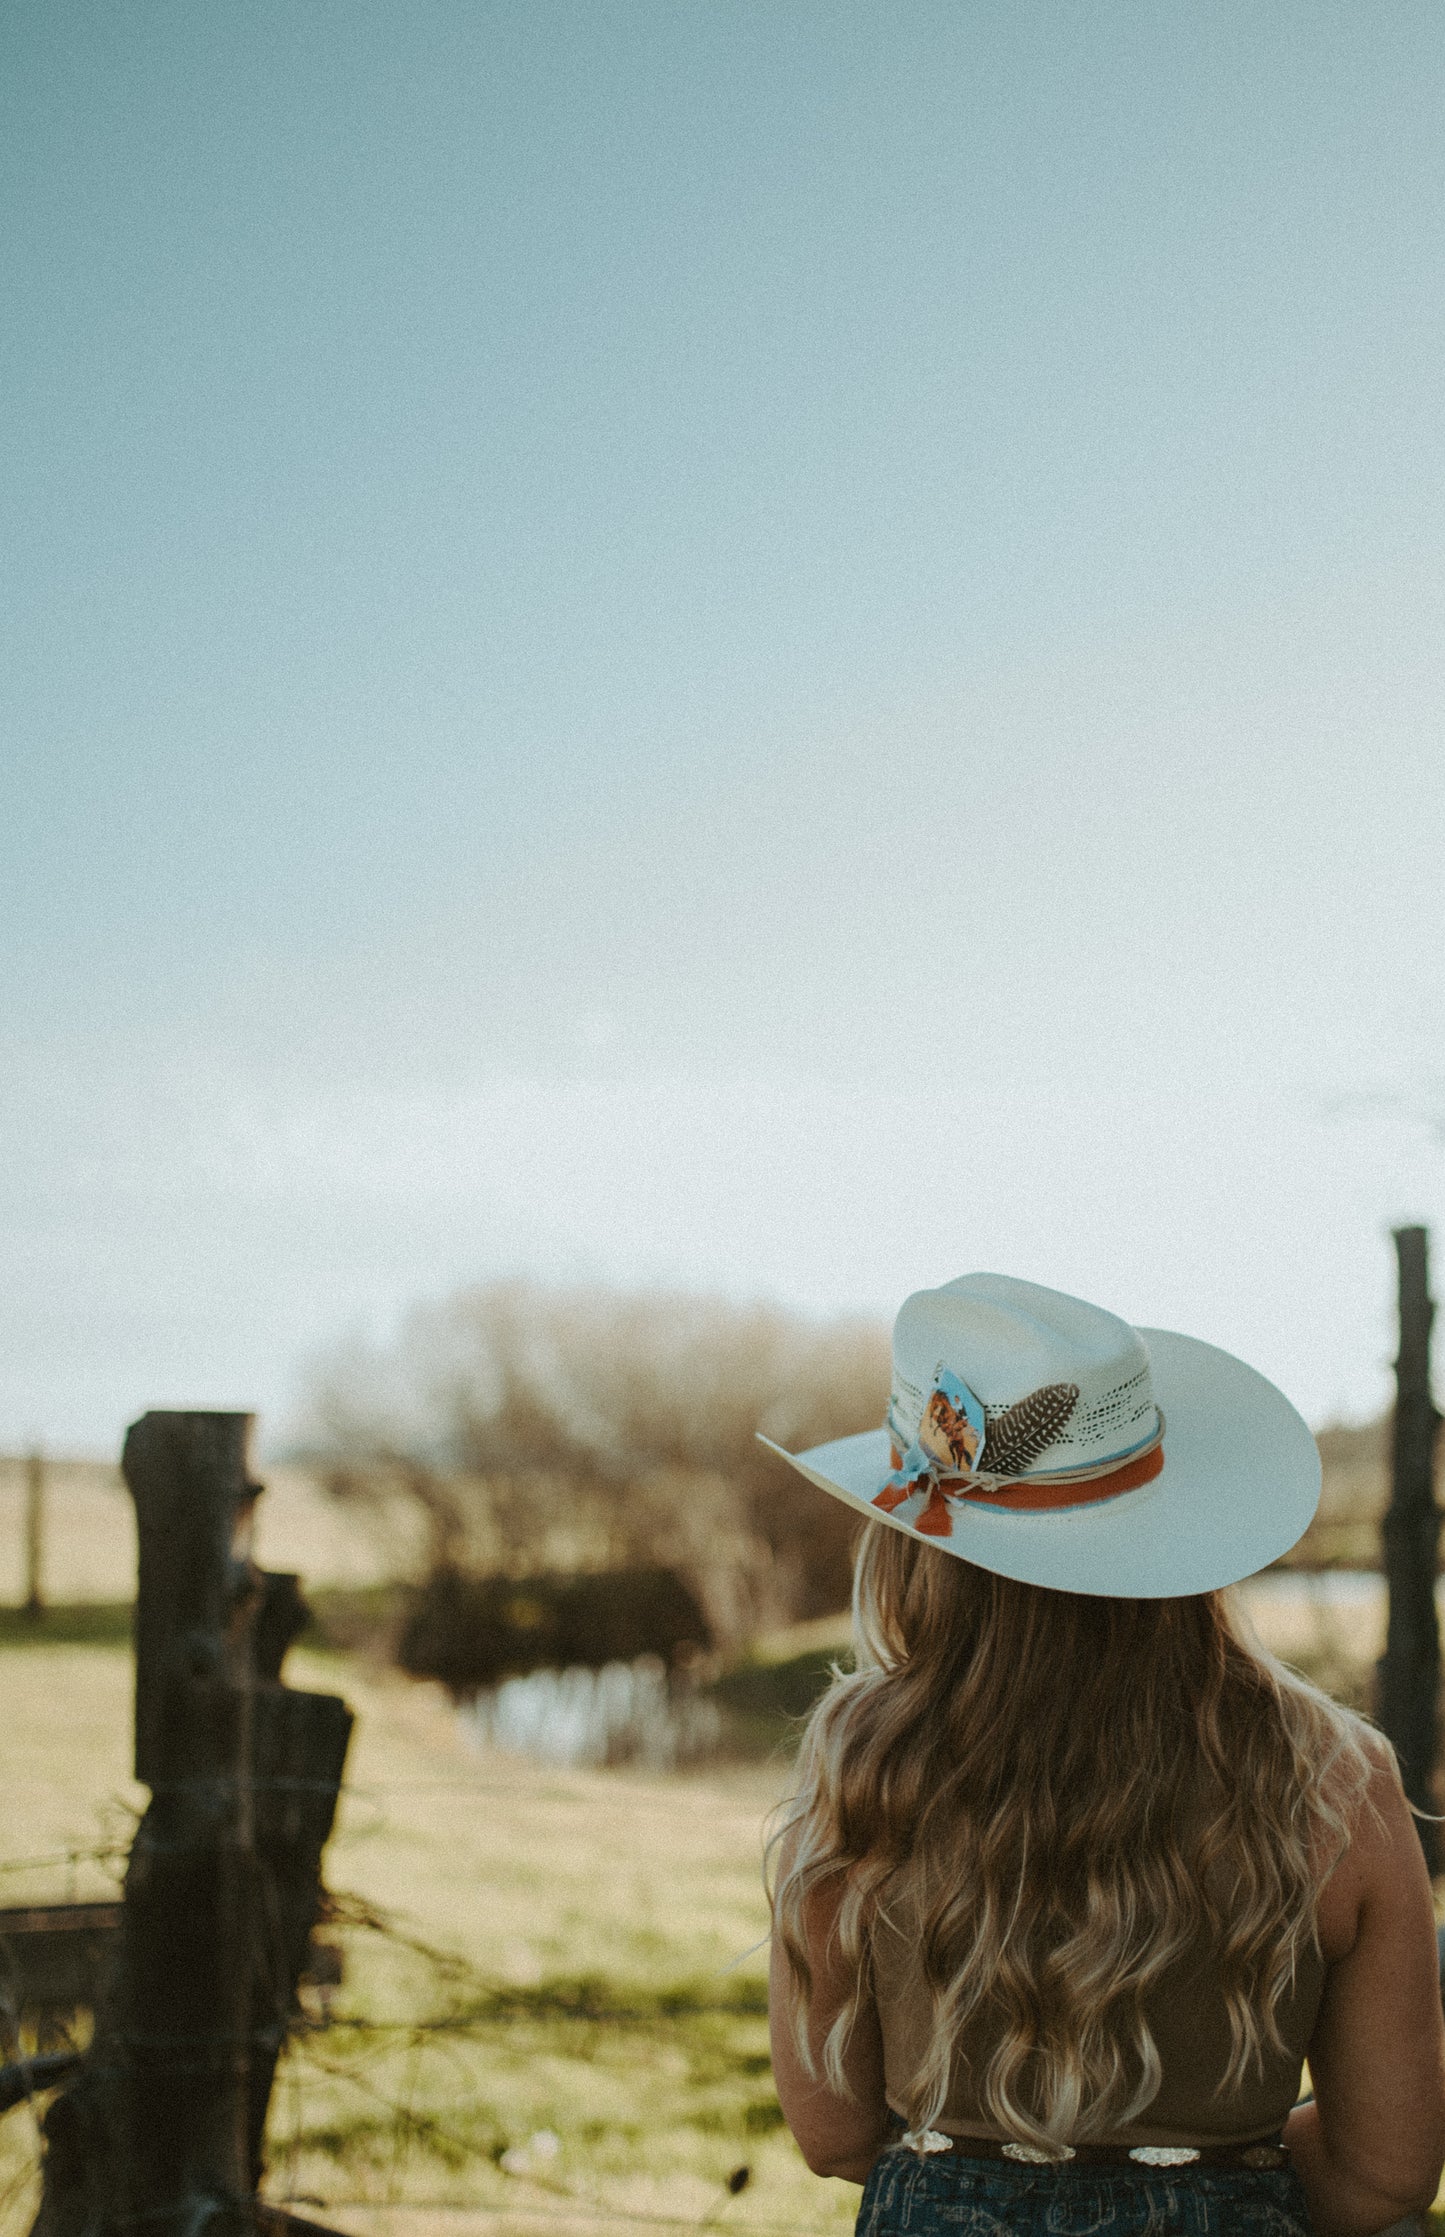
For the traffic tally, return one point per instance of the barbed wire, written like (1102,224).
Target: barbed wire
(371,1790)
(103,1852)
(338,2049)
(585,1999)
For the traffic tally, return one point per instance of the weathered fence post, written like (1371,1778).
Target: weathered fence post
(34,1532)
(164,2124)
(1409,1673)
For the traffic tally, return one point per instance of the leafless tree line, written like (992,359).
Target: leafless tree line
(537,1428)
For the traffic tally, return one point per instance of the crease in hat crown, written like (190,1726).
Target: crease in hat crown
(1007,1340)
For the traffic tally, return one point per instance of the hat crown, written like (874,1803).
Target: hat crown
(1006,1340)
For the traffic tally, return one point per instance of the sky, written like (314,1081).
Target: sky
(777,649)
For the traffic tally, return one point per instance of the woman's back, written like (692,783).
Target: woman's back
(1075,1873)
(1198,2100)
(1082,1840)
(1203,2054)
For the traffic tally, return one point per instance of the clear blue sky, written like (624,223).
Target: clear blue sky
(791,647)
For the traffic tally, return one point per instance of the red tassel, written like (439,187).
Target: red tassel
(935,1520)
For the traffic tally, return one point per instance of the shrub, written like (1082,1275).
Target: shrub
(471,1632)
(543,1430)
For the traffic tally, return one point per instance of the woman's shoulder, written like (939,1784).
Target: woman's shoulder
(1380,1851)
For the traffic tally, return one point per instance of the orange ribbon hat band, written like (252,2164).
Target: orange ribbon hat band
(1024,1497)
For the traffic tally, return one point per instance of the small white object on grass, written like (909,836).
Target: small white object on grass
(541,2149)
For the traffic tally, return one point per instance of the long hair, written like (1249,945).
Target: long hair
(1063,1793)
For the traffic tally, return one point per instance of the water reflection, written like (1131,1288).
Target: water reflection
(626,1712)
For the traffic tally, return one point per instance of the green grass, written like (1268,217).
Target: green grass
(668,2083)
(572,1954)
(355,1619)
(80,1623)
(764,1704)
(344,1618)
(528,1951)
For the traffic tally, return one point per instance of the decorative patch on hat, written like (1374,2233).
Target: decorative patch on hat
(953,1438)
(950,1439)
(954,1429)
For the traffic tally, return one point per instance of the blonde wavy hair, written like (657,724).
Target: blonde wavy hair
(1067,1792)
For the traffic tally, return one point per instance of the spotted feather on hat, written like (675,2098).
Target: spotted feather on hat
(1016,1439)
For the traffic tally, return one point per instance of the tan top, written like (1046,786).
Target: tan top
(1190,2025)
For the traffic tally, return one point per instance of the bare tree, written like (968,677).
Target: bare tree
(585,1427)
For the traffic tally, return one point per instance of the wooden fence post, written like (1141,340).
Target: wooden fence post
(164,2124)
(34,1532)
(1409,1673)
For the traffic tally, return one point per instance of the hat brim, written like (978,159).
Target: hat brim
(1239,1484)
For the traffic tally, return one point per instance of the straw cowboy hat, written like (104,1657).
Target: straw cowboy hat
(1047,1440)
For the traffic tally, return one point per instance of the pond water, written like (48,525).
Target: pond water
(626,1712)
(631,1712)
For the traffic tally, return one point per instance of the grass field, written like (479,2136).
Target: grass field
(89,1545)
(564,2026)
(604,1986)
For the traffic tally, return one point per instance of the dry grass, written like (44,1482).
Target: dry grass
(90,1533)
(1345,1534)
(606,1991)
(1330,1627)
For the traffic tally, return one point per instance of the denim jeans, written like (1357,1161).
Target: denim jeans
(907,2195)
